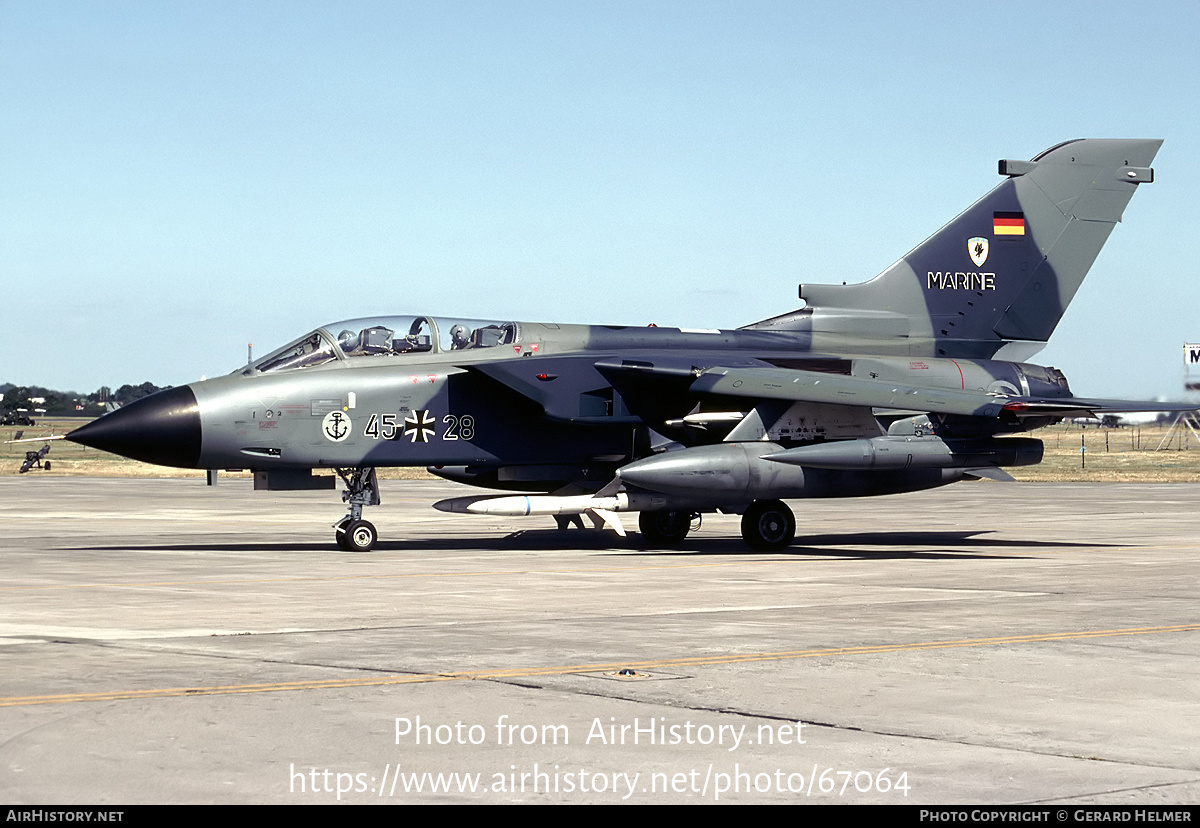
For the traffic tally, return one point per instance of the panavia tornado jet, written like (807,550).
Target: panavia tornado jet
(911,380)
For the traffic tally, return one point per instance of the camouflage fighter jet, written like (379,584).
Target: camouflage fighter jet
(912,380)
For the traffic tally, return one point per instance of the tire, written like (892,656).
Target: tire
(667,528)
(768,526)
(356,536)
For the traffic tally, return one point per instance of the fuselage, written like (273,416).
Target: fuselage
(484,396)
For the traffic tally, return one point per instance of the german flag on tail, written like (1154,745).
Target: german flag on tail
(1008,224)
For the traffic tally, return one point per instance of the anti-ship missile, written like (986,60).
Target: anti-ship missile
(742,472)
(913,453)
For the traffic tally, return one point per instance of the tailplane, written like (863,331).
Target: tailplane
(1003,271)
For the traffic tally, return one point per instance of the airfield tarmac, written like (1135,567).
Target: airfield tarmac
(167,642)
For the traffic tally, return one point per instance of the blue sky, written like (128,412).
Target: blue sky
(179,179)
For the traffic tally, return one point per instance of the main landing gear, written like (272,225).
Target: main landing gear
(666,527)
(352,533)
(768,526)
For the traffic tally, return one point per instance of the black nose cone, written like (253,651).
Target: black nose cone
(163,428)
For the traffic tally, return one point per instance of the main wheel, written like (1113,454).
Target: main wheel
(768,526)
(356,536)
(666,527)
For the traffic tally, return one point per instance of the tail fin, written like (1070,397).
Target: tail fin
(1004,270)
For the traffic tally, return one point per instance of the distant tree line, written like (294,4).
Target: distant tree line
(70,403)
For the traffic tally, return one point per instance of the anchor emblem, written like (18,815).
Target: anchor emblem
(335,426)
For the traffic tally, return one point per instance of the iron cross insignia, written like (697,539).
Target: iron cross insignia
(419,426)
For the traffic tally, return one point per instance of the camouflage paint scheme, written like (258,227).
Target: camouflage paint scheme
(896,384)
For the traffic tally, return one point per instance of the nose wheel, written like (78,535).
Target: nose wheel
(356,535)
(352,533)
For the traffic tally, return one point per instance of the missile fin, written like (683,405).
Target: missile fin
(603,517)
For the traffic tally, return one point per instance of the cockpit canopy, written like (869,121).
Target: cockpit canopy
(388,336)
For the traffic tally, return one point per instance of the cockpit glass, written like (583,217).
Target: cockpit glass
(385,337)
(312,350)
(466,334)
(388,336)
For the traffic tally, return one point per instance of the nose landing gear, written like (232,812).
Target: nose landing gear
(352,533)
